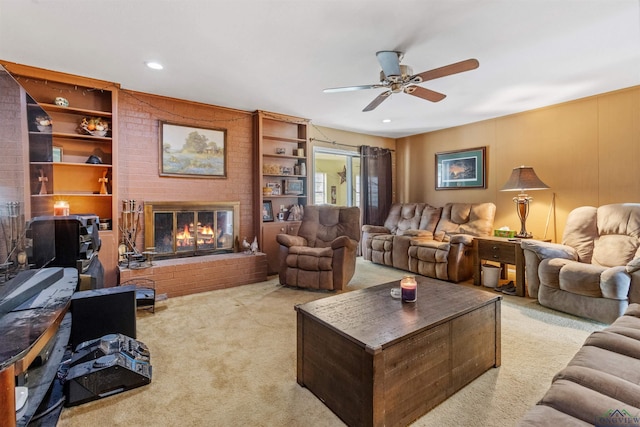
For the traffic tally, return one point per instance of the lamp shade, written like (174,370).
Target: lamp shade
(523,178)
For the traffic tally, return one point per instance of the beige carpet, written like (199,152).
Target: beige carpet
(227,358)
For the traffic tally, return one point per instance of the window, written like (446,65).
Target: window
(337,177)
(320,188)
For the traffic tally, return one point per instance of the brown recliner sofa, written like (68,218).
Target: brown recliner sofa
(430,241)
(600,385)
(389,244)
(323,254)
(595,271)
(448,254)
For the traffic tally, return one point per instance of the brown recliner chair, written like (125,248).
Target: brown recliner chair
(323,254)
(595,271)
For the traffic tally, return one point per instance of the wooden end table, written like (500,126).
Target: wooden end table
(504,251)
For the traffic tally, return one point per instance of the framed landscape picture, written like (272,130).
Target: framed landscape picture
(460,169)
(192,152)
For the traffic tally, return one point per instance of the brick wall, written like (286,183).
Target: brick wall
(139,116)
(183,276)
(139,146)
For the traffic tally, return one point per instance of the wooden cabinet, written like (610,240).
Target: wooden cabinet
(69,162)
(283,178)
(270,246)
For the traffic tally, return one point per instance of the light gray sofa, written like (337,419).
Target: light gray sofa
(600,385)
(430,241)
(595,272)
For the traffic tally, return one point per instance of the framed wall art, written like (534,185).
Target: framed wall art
(267,211)
(192,152)
(461,169)
(275,188)
(293,187)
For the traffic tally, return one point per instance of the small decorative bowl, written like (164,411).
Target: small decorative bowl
(98,132)
(62,102)
(44,129)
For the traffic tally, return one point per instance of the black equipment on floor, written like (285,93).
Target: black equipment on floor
(106,366)
(101,312)
(66,241)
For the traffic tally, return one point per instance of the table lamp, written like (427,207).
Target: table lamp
(523,179)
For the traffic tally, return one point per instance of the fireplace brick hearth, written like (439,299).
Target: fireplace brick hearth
(184,276)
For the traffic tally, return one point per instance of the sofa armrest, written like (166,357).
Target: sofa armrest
(430,243)
(534,252)
(633,265)
(549,250)
(615,283)
(418,233)
(375,229)
(465,239)
(289,240)
(343,242)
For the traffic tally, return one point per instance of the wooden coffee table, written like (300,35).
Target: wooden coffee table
(374,360)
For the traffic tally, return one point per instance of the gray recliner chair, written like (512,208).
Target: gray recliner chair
(595,271)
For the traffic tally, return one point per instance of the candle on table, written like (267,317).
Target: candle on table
(409,289)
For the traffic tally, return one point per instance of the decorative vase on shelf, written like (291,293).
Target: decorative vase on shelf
(303,169)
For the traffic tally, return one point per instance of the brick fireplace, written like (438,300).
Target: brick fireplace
(181,229)
(197,246)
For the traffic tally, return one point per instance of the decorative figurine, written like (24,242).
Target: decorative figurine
(43,182)
(103,180)
(254,246)
(246,246)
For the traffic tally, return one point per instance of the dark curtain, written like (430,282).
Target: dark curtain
(375,165)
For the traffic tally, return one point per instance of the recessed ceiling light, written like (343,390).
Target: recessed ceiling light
(386,120)
(154,65)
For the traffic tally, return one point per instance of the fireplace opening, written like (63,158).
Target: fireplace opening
(177,229)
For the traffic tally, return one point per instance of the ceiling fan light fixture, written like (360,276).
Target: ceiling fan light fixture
(406,73)
(396,78)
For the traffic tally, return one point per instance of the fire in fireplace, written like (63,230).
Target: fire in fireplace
(176,229)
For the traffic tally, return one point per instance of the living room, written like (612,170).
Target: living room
(585,148)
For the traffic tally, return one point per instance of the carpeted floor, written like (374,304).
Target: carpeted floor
(227,358)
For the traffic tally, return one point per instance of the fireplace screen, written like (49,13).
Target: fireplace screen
(184,229)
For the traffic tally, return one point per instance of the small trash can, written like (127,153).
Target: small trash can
(490,275)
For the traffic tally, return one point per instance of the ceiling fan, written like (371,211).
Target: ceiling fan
(400,78)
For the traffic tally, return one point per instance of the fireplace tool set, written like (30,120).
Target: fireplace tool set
(129,227)
(13,229)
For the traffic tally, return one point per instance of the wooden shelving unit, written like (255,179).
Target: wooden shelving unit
(283,163)
(59,154)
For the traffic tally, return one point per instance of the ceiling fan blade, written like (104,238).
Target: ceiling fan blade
(428,94)
(351,88)
(390,62)
(377,101)
(447,70)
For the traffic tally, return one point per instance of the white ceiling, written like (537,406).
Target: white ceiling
(278,55)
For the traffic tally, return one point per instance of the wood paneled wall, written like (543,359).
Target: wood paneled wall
(587,151)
